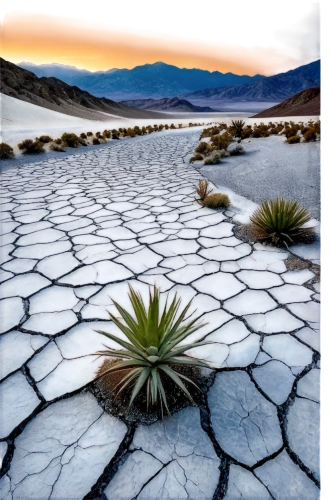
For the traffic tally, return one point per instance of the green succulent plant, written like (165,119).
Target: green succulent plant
(281,220)
(153,348)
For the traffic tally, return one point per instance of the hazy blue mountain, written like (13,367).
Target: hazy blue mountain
(148,81)
(274,88)
(167,104)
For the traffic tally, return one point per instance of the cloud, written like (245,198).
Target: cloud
(303,41)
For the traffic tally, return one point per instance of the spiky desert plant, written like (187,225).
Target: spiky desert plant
(83,135)
(238,125)
(216,200)
(281,221)
(153,348)
(6,151)
(96,141)
(202,189)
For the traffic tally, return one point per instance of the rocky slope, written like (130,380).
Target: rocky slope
(56,95)
(305,103)
(168,104)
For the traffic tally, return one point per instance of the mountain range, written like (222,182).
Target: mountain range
(305,103)
(54,94)
(156,80)
(273,88)
(168,104)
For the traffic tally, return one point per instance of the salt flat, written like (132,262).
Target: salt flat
(75,232)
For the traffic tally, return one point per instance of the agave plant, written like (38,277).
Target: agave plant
(281,220)
(153,346)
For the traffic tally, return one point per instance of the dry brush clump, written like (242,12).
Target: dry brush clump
(196,157)
(237,150)
(214,158)
(282,221)
(6,151)
(216,200)
(294,139)
(71,140)
(57,147)
(45,139)
(30,147)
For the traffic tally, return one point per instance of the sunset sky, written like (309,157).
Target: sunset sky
(242,37)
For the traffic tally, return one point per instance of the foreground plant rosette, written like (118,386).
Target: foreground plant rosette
(154,349)
(282,222)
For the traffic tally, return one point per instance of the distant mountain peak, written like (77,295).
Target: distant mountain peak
(155,80)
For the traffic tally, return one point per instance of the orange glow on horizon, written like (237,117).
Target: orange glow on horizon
(49,39)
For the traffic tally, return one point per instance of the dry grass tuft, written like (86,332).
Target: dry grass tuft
(217,200)
(202,189)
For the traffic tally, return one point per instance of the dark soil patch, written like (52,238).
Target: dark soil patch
(105,391)
(294,263)
(252,234)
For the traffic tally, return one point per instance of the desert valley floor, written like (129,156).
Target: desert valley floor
(75,232)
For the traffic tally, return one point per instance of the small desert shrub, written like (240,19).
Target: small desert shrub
(172,126)
(237,150)
(89,134)
(196,157)
(293,139)
(153,350)
(83,136)
(45,139)
(166,126)
(202,189)
(6,151)
(310,135)
(214,158)
(203,148)
(115,134)
(290,132)
(71,140)
(221,141)
(31,147)
(238,126)
(160,127)
(216,200)
(281,221)
(98,134)
(143,130)
(96,141)
(256,133)
(57,147)
(180,125)
(246,132)
(107,134)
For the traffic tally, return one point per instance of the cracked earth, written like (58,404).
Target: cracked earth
(75,232)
